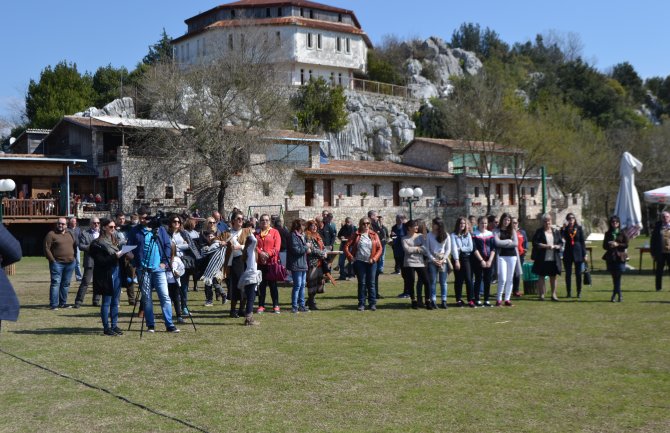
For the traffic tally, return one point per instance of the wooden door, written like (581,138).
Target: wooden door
(328,192)
(396,193)
(512,194)
(309,192)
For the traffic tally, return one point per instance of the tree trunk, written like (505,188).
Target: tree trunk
(220,198)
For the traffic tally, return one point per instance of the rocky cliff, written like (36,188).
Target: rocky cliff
(379,125)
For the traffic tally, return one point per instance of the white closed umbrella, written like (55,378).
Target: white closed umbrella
(628,201)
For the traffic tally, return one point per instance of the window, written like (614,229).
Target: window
(438,191)
(278,39)
(230,42)
(476,191)
(347,45)
(310,75)
(140,192)
(532,191)
(310,42)
(349,187)
(232,14)
(339,78)
(302,12)
(288,153)
(339,44)
(332,78)
(311,14)
(266,189)
(268,14)
(169,191)
(302,77)
(318,41)
(280,12)
(339,18)
(375,190)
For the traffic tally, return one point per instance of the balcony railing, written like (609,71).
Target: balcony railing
(381,88)
(15,207)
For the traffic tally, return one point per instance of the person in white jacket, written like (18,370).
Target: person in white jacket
(438,249)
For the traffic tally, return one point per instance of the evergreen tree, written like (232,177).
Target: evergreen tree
(320,107)
(108,83)
(625,74)
(160,51)
(61,90)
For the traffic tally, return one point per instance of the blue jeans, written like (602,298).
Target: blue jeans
(433,273)
(61,274)
(365,273)
(380,264)
(77,267)
(158,282)
(109,309)
(298,292)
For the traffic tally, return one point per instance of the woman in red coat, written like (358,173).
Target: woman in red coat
(268,246)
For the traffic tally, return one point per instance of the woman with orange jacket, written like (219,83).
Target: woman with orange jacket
(267,248)
(364,249)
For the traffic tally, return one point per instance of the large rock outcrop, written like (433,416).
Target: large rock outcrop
(123,107)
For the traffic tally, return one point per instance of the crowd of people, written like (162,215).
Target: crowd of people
(238,259)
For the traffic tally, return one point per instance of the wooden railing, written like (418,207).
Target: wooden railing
(15,207)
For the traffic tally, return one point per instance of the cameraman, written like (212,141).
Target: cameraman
(152,264)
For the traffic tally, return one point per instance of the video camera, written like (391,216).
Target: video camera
(157,220)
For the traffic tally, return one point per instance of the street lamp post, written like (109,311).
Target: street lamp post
(411,196)
(6,185)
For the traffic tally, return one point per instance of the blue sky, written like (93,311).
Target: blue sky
(34,34)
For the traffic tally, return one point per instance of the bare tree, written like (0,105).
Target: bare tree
(221,109)
(477,114)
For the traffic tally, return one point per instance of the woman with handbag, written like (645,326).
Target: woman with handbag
(615,245)
(573,252)
(546,256)
(268,247)
(364,249)
(314,282)
(188,253)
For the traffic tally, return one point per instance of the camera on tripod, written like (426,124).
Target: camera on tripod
(157,220)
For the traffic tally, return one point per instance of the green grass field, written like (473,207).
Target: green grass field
(572,366)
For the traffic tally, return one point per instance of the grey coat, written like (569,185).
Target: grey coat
(85,239)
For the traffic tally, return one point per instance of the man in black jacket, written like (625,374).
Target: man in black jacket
(84,241)
(660,247)
(10,252)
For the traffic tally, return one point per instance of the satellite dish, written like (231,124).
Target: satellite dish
(11,140)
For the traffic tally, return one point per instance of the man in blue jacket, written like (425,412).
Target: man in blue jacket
(10,252)
(152,264)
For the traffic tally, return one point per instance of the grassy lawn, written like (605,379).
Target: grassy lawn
(572,366)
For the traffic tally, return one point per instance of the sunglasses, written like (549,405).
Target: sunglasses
(176,221)
(366,224)
(96,223)
(211,222)
(111,227)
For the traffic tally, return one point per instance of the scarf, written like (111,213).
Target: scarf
(572,232)
(214,266)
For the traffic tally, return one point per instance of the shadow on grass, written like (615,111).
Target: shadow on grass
(654,302)
(60,331)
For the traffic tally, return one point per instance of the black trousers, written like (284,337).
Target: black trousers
(661,262)
(262,289)
(568,261)
(482,274)
(408,279)
(464,275)
(86,279)
(174,290)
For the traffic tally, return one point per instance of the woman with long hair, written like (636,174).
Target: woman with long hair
(483,256)
(189,228)
(615,245)
(413,245)
(438,249)
(106,282)
(267,248)
(296,263)
(314,280)
(364,249)
(462,248)
(508,258)
(546,258)
(574,252)
(251,275)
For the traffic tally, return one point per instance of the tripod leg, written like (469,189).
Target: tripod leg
(192,322)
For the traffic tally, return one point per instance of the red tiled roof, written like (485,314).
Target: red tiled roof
(373,168)
(266,3)
(465,145)
(295,21)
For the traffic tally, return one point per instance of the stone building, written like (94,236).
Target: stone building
(308,39)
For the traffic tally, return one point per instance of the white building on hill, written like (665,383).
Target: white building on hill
(310,39)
